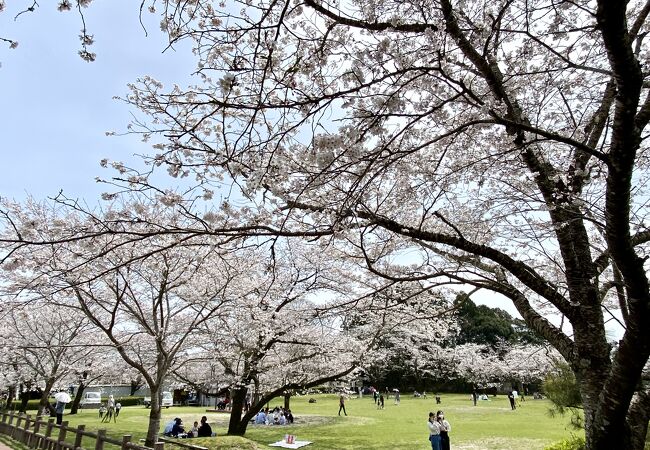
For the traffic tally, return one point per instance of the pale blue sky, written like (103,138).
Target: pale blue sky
(56,107)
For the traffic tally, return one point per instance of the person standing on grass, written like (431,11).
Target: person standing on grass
(342,404)
(511,398)
(434,432)
(445,428)
(60,406)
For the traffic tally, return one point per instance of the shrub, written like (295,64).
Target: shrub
(573,443)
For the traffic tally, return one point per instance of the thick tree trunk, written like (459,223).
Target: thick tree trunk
(638,418)
(45,401)
(237,425)
(287,400)
(607,387)
(11,395)
(154,417)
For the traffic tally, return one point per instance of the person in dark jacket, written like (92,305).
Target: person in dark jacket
(59,408)
(511,398)
(178,429)
(204,430)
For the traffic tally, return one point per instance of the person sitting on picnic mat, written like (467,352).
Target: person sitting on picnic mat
(204,430)
(178,429)
(169,426)
(194,431)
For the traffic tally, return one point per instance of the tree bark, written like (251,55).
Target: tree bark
(77,398)
(154,417)
(287,400)
(238,424)
(44,403)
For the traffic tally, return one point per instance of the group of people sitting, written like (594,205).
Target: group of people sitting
(278,416)
(175,428)
(223,403)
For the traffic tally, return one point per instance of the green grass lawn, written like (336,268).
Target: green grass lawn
(489,425)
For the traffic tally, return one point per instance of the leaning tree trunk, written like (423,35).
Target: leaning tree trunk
(44,403)
(77,399)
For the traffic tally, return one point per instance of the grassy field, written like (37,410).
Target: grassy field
(489,425)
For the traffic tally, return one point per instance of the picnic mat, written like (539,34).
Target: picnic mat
(296,444)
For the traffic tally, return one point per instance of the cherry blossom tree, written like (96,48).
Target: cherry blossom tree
(498,143)
(149,309)
(152,309)
(284,333)
(495,144)
(47,342)
(272,350)
(483,365)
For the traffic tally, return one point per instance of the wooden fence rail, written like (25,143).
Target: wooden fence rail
(38,433)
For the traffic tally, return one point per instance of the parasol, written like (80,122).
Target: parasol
(63,397)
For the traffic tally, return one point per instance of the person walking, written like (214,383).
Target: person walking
(445,428)
(434,432)
(342,404)
(110,409)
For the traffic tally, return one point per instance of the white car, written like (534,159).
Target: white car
(167,400)
(91,400)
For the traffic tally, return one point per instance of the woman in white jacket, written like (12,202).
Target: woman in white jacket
(434,432)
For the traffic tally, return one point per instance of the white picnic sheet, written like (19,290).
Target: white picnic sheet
(296,444)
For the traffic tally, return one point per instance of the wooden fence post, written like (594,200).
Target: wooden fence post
(99,445)
(3,424)
(125,441)
(37,424)
(62,432)
(15,428)
(27,433)
(36,437)
(79,436)
(48,433)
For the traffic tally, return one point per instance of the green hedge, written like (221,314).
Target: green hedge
(130,401)
(32,405)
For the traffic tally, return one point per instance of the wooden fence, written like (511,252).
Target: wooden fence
(40,434)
